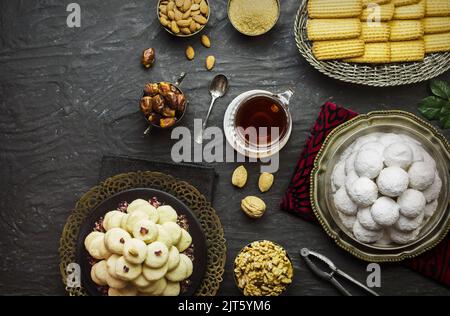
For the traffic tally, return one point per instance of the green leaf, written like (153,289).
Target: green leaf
(441,89)
(431,107)
(444,116)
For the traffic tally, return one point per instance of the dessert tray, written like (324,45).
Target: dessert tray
(337,141)
(203,220)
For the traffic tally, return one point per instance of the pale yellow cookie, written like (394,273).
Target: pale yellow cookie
(151,212)
(157,255)
(172,289)
(134,218)
(91,237)
(133,206)
(100,270)
(126,291)
(167,214)
(174,231)
(112,220)
(155,288)
(123,223)
(179,273)
(135,251)
(97,248)
(189,265)
(174,258)
(164,236)
(111,265)
(115,240)
(115,282)
(185,241)
(145,230)
(127,271)
(141,281)
(152,274)
(94,277)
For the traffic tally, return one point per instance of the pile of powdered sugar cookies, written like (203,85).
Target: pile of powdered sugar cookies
(385,188)
(141,252)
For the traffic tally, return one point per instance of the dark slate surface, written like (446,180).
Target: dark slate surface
(69,96)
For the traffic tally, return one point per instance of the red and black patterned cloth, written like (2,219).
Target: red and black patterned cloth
(434,264)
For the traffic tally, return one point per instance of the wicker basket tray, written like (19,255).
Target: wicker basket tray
(394,74)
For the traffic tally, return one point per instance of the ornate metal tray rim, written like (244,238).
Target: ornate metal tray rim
(405,254)
(395,74)
(69,241)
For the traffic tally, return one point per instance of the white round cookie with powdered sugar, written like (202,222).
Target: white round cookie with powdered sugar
(398,155)
(385,211)
(368,163)
(412,203)
(344,203)
(392,181)
(363,192)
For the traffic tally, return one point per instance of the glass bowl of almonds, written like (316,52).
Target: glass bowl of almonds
(183,18)
(263,268)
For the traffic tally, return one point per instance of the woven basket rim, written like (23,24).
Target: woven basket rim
(388,75)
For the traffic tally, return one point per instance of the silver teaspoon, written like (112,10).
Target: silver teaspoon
(218,88)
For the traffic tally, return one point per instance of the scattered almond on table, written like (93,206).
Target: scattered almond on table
(190,53)
(265,181)
(206,41)
(240,176)
(210,62)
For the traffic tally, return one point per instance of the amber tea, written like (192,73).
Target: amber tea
(266,116)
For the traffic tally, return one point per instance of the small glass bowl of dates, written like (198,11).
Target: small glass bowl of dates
(163,104)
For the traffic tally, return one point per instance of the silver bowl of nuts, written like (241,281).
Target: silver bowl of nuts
(183,18)
(263,268)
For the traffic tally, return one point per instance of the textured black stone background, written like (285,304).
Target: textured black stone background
(69,96)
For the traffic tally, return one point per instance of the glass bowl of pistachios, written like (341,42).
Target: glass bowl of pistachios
(183,18)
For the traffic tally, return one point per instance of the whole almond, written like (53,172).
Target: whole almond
(185,30)
(265,182)
(183,23)
(178,15)
(195,7)
(205,41)
(193,26)
(240,176)
(204,8)
(174,27)
(200,19)
(164,21)
(186,14)
(171,15)
(187,5)
(179,3)
(210,62)
(170,6)
(190,53)
(163,9)
(196,12)
(198,26)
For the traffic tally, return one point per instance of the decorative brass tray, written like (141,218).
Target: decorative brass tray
(339,139)
(186,193)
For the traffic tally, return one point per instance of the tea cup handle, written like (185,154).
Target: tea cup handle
(286,96)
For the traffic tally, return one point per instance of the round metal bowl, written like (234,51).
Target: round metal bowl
(337,141)
(250,245)
(184,35)
(240,31)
